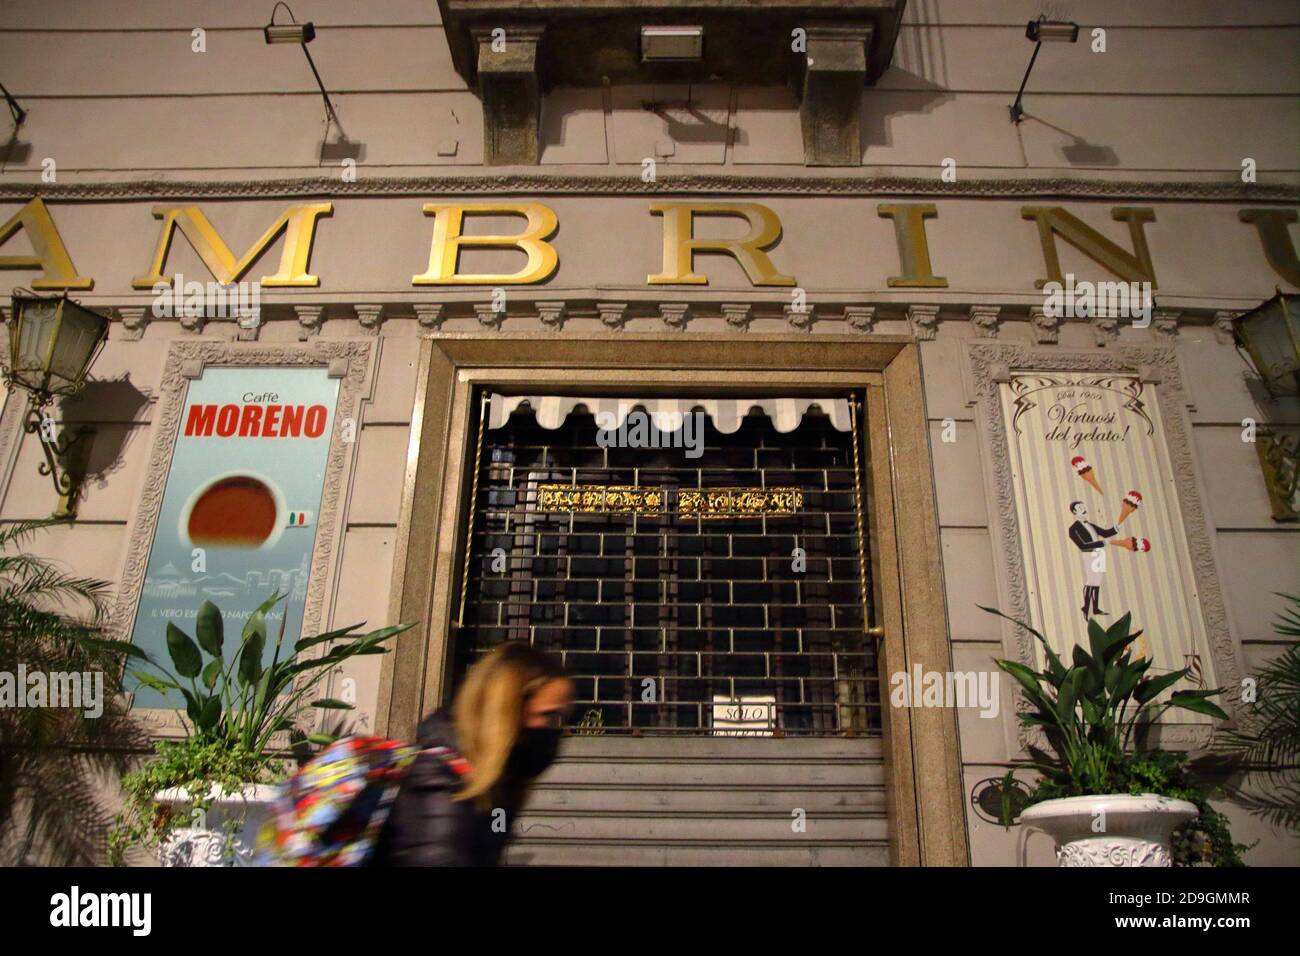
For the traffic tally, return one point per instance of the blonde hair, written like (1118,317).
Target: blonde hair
(488,710)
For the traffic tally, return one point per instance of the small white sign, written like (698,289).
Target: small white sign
(744,715)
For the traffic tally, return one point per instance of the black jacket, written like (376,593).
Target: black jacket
(1079,535)
(427,828)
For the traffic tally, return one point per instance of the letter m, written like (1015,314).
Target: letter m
(298,223)
(202,419)
(1054,221)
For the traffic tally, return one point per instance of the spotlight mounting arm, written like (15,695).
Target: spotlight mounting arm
(1040,31)
(301,34)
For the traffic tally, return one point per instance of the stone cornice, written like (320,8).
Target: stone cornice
(689,184)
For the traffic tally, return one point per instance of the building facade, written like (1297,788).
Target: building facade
(741,378)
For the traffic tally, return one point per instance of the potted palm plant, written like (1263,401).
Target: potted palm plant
(202,799)
(1105,800)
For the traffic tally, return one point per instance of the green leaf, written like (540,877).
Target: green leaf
(154,682)
(184,652)
(210,629)
(329,703)
(323,739)
(306,642)
(1197,702)
(209,714)
(250,658)
(212,672)
(117,647)
(1152,688)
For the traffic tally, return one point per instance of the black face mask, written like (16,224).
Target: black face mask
(534,751)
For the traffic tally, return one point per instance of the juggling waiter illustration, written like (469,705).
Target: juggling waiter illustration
(1091,539)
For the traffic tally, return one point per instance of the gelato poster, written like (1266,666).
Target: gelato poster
(1101,526)
(238,515)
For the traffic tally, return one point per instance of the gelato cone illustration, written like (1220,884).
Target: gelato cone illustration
(1141,545)
(1085,471)
(1132,501)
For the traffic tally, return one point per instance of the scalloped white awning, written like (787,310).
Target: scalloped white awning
(725,413)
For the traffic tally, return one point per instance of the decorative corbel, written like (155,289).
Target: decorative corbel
(612,314)
(489,315)
(1164,323)
(370,316)
(553,315)
(985,320)
(800,318)
(922,321)
(1223,327)
(309,319)
(1105,330)
(1047,328)
(860,317)
(508,87)
(430,315)
(835,74)
(134,319)
(738,315)
(675,314)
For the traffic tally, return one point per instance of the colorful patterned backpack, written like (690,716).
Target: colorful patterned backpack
(331,812)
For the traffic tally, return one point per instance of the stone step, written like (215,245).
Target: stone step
(747,827)
(614,853)
(556,798)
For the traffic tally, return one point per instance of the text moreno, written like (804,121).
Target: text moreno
(256,421)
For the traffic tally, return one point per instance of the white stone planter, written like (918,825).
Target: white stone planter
(205,845)
(1111,830)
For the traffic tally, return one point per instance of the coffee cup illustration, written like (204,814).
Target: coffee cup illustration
(238,509)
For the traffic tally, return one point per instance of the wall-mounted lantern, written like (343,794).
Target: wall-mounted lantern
(1270,336)
(53,341)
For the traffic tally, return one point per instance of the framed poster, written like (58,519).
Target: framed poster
(1106,431)
(1101,524)
(242,496)
(238,515)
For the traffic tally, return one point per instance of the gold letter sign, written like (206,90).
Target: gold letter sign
(680,244)
(444,256)
(1054,221)
(216,255)
(47,248)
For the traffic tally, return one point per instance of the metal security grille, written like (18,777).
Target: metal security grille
(720,594)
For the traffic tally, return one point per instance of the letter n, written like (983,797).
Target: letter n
(1054,221)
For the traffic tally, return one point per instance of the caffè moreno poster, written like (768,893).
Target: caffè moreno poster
(238,515)
(1101,530)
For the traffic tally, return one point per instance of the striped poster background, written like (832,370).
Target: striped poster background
(1118,429)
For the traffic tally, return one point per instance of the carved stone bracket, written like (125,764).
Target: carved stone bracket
(1223,327)
(1164,323)
(738,315)
(992,362)
(1105,330)
(370,317)
(675,315)
(430,315)
(922,321)
(552,314)
(248,328)
(309,319)
(489,315)
(134,319)
(861,318)
(508,86)
(985,320)
(612,314)
(191,323)
(800,318)
(835,73)
(1047,328)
